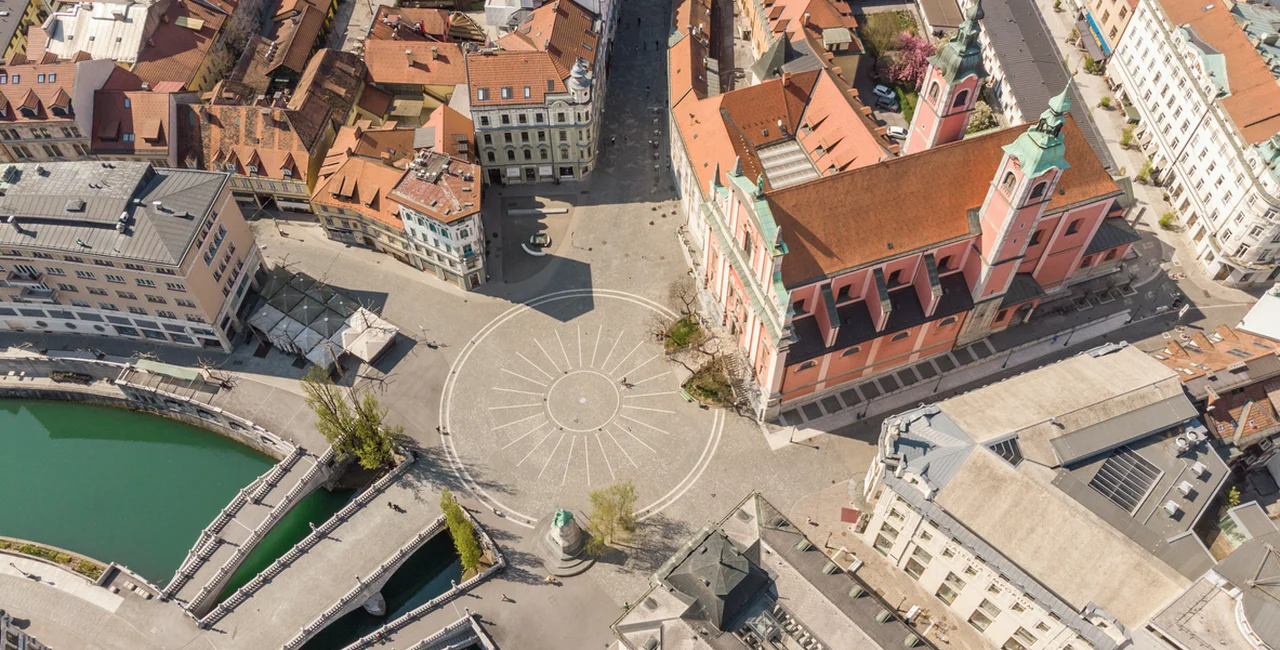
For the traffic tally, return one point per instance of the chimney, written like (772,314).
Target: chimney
(435,53)
(146,85)
(408,53)
(786,79)
(806,19)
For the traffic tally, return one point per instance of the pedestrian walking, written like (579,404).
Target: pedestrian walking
(505,599)
(638,21)
(613,139)
(646,91)
(624,381)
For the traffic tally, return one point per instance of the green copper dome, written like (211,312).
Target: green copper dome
(961,56)
(1041,147)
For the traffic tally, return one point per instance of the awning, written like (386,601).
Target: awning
(177,372)
(1090,38)
(1131,113)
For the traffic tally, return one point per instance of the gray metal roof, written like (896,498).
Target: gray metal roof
(1256,370)
(1022,288)
(1124,427)
(13,11)
(1254,567)
(45,201)
(1111,233)
(932,446)
(1032,66)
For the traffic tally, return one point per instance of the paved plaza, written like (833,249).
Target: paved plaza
(569,392)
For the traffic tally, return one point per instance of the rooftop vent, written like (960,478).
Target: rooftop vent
(75,205)
(1172,509)
(1199,469)
(1186,488)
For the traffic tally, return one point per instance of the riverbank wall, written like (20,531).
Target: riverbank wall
(24,375)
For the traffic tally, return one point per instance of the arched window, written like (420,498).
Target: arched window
(1010,179)
(934,89)
(962,98)
(895,279)
(900,335)
(1038,190)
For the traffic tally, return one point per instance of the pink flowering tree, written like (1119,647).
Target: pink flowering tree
(911,60)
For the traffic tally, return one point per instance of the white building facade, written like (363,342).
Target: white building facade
(1220,175)
(555,140)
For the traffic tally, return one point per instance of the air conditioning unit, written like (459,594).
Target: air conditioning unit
(1172,509)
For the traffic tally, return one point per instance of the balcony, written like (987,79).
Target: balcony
(39,293)
(24,279)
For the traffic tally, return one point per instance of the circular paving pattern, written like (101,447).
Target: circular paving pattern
(568,393)
(583,401)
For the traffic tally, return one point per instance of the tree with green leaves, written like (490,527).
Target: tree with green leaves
(612,515)
(353,423)
(462,532)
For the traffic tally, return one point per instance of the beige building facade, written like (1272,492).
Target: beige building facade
(139,253)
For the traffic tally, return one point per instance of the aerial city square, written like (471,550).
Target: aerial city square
(640,325)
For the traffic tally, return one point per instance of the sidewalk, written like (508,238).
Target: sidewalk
(1175,251)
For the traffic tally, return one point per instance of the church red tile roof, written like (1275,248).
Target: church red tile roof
(849,220)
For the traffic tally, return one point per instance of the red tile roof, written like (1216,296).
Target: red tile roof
(388,63)
(454,133)
(294,36)
(39,87)
(448,192)
(143,113)
(410,24)
(1254,102)
(516,71)
(174,53)
(362,184)
(848,220)
(561,28)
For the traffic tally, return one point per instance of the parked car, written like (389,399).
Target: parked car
(540,240)
(888,105)
(897,132)
(884,92)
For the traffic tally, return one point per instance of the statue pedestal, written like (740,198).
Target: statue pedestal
(561,545)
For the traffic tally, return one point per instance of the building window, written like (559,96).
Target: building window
(961,98)
(920,559)
(1010,179)
(511,155)
(900,335)
(1074,227)
(851,351)
(944,264)
(982,617)
(895,279)
(798,308)
(491,156)
(934,90)
(806,365)
(883,544)
(1111,255)
(1086,262)
(950,320)
(1001,314)
(1035,237)
(488,138)
(950,588)
(1038,190)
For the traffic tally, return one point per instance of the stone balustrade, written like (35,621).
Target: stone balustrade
(500,562)
(292,555)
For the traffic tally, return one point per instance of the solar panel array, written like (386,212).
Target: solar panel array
(1125,478)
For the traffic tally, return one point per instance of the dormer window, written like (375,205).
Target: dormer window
(28,112)
(506,92)
(128,137)
(230,167)
(528,92)
(17,78)
(253,169)
(128,103)
(4,78)
(40,78)
(288,173)
(53,76)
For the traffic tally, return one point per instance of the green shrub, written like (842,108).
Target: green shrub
(710,384)
(1105,102)
(1126,136)
(907,100)
(683,333)
(1169,220)
(1144,174)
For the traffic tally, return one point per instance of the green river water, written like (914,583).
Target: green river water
(128,487)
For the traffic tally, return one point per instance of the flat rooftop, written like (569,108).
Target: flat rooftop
(75,207)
